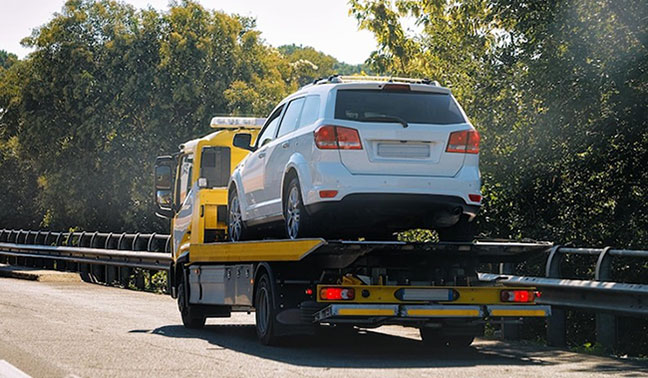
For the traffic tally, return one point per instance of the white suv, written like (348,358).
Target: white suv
(351,157)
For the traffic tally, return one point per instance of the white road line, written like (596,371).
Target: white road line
(7,370)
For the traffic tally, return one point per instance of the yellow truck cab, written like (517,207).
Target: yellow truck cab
(298,286)
(191,185)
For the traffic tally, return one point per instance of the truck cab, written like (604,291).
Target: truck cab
(191,184)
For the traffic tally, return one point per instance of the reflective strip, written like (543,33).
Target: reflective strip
(519,310)
(542,313)
(441,311)
(366,312)
(448,312)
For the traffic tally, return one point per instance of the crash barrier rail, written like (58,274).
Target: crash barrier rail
(100,257)
(607,299)
(111,257)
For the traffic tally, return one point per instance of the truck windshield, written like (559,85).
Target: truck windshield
(413,107)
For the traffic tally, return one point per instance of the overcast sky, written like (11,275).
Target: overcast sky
(324,24)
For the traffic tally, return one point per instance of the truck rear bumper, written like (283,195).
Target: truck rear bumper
(363,312)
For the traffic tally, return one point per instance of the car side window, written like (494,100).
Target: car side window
(291,117)
(310,112)
(269,131)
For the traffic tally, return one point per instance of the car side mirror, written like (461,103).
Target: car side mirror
(243,140)
(164,166)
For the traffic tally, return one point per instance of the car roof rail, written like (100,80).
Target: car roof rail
(337,79)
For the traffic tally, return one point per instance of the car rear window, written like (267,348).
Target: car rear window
(413,107)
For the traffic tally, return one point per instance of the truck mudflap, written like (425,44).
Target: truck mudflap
(362,312)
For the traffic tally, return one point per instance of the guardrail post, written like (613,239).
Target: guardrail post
(606,324)
(510,331)
(557,322)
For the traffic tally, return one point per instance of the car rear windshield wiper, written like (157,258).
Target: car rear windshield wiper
(385,118)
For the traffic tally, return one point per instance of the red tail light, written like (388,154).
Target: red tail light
(337,138)
(337,293)
(520,296)
(466,142)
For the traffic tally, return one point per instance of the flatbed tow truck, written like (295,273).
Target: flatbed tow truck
(302,286)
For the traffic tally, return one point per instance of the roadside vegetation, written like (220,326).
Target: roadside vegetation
(558,90)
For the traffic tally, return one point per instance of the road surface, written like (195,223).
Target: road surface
(76,329)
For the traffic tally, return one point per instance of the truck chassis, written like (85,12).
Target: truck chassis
(300,286)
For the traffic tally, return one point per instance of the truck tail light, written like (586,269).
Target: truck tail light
(519,296)
(337,138)
(466,142)
(475,197)
(337,293)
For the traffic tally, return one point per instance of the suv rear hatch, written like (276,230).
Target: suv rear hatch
(404,129)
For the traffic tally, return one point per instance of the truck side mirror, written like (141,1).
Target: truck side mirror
(242,140)
(164,186)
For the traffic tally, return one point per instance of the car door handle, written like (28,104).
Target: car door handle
(261,155)
(285,145)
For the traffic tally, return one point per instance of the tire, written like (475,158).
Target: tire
(265,312)
(236,229)
(462,231)
(296,220)
(190,318)
(434,339)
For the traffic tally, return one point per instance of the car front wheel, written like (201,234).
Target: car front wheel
(236,229)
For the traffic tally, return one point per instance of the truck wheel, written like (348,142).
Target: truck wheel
(297,220)
(462,231)
(435,339)
(189,317)
(265,312)
(236,229)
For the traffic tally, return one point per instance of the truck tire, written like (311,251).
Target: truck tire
(265,312)
(462,231)
(296,219)
(190,317)
(435,339)
(236,228)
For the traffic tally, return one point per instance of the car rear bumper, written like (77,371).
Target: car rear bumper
(400,211)
(334,176)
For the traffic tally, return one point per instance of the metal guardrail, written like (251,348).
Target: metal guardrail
(101,257)
(110,257)
(602,296)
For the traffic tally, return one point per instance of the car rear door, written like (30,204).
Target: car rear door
(415,147)
(279,151)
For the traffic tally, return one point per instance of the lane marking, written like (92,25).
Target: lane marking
(7,370)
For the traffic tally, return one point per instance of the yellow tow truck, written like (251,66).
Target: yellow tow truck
(300,286)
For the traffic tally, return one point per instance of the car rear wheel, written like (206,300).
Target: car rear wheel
(297,221)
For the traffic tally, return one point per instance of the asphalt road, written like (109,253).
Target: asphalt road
(50,329)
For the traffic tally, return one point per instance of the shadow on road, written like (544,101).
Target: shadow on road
(343,350)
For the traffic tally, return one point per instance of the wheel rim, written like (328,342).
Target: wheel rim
(262,311)
(293,214)
(235,222)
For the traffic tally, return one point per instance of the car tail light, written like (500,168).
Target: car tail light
(520,296)
(337,293)
(325,138)
(337,138)
(348,139)
(466,142)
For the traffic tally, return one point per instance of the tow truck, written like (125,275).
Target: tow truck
(305,285)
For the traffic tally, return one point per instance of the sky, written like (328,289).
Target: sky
(323,24)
